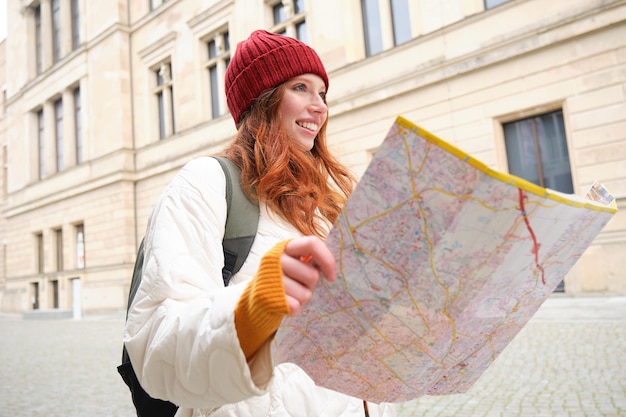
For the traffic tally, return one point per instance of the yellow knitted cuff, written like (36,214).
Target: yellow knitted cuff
(263,303)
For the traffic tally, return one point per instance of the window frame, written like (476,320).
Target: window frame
(75,15)
(490,4)
(294,23)
(380,30)
(55,16)
(41,142)
(530,116)
(58,248)
(163,92)
(78,125)
(215,67)
(395,15)
(40,253)
(81,253)
(58,133)
(38,39)
(372,27)
(155,4)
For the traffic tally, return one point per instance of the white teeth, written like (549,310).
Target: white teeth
(308,125)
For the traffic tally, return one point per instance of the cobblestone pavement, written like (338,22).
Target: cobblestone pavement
(62,368)
(570,360)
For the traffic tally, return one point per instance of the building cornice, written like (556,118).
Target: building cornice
(597,16)
(196,23)
(71,182)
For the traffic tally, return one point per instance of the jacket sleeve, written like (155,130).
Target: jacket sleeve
(180,332)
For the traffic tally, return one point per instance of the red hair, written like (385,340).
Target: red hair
(308,189)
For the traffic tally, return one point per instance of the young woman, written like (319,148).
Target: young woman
(206,347)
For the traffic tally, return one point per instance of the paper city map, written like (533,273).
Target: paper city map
(441,262)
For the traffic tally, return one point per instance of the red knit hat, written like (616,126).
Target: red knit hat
(263,61)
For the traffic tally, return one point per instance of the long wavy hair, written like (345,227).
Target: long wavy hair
(308,189)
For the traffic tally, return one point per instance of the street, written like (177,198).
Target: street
(570,360)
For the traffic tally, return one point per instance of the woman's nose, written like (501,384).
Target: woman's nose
(319,104)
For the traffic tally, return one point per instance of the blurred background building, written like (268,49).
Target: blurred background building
(103,101)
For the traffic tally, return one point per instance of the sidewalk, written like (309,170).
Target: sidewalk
(62,368)
(561,307)
(568,361)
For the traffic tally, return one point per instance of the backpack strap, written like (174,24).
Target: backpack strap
(242,221)
(137,272)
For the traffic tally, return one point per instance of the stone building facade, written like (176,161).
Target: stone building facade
(102,102)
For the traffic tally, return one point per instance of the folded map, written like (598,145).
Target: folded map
(441,261)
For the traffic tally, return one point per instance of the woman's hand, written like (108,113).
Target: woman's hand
(304,260)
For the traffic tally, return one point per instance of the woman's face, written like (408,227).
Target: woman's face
(303,109)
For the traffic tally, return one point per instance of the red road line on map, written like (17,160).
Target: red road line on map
(523,197)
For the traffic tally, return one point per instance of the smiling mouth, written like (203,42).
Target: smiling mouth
(308,126)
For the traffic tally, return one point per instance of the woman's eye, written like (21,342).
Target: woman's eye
(300,87)
(323,96)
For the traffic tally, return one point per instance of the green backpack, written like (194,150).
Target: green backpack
(242,220)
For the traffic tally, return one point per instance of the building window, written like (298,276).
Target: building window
(56,30)
(34,295)
(41,144)
(382,34)
(536,150)
(218,50)
(58,236)
(156,3)
(78,128)
(493,3)
(75,24)
(80,246)
(39,251)
(53,293)
(58,132)
(38,40)
(400,19)
(289,18)
(371,27)
(164,93)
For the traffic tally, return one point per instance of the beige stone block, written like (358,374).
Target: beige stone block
(487,157)
(616,267)
(592,271)
(598,117)
(621,54)
(366,137)
(103,299)
(474,114)
(615,151)
(590,100)
(599,135)
(616,227)
(424,108)
(486,90)
(478,144)
(15,298)
(602,171)
(608,75)
(573,279)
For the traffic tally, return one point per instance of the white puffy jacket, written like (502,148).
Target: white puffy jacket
(180,332)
